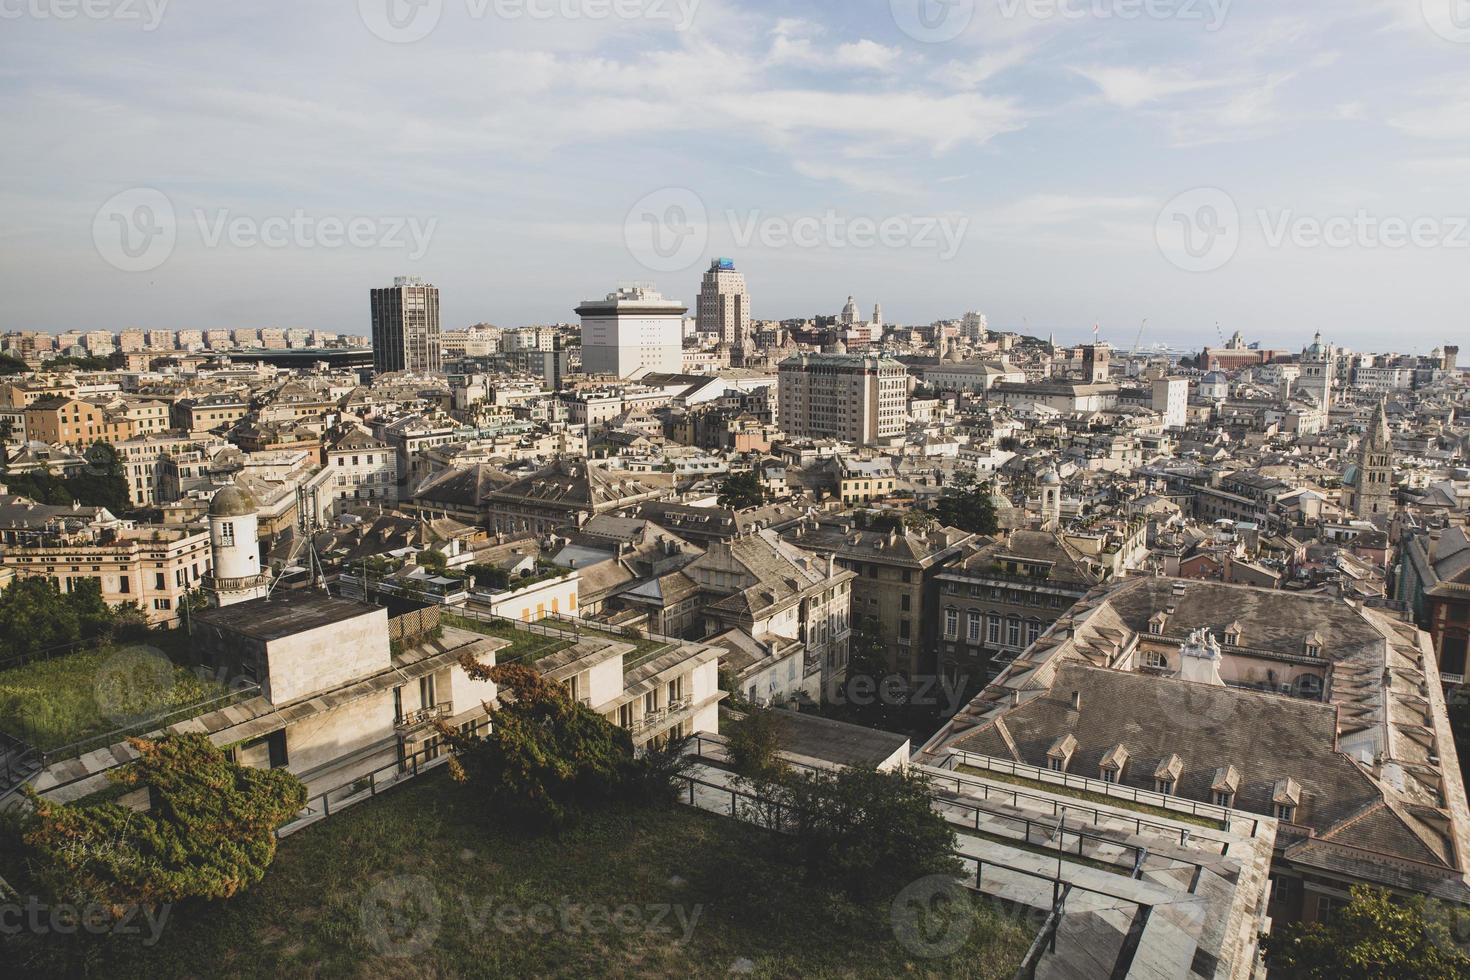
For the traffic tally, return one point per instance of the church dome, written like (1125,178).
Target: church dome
(232,501)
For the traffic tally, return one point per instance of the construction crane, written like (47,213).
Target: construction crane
(1138,341)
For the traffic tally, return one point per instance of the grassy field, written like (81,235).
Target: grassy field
(56,702)
(524,646)
(1082,794)
(418,883)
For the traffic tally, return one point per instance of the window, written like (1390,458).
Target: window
(227,533)
(1033,630)
(1314,649)
(992,630)
(426,691)
(951,622)
(904,629)
(158,581)
(904,602)
(1109,775)
(1013,631)
(124,584)
(972,627)
(1164,786)
(1055,764)
(1285,812)
(1156,659)
(1223,798)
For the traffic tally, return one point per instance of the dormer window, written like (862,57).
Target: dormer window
(1060,753)
(1232,635)
(1286,795)
(1166,776)
(1110,769)
(1224,785)
(1312,645)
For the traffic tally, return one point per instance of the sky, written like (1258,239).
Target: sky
(1165,169)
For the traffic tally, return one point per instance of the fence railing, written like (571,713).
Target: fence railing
(1193,807)
(143,726)
(1016,794)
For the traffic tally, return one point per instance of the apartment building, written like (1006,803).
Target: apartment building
(210,413)
(357,468)
(1000,595)
(893,589)
(768,587)
(151,566)
(861,399)
(73,422)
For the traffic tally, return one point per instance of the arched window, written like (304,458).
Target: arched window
(1308,686)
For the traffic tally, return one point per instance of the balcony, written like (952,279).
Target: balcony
(661,718)
(422,717)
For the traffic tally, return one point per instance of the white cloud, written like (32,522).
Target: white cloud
(867,55)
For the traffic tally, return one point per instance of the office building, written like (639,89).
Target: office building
(723,306)
(631,332)
(406,327)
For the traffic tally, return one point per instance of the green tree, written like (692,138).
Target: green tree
(742,490)
(755,744)
(968,508)
(209,832)
(34,616)
(433,560)
(1374,936)
(863,832)
(12,365)
(546,757)
(918,520)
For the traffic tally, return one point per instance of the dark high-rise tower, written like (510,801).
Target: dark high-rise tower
(406,327)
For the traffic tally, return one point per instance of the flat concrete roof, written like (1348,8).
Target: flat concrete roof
(284,614)
(836,741)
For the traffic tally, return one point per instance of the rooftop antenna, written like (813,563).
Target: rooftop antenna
(307,524)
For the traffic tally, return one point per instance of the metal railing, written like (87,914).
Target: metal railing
(143,726)
(424,716)
(364,787)
(1160,801)
(1016,794)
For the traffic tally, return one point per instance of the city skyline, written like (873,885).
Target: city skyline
(1031,148)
